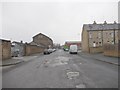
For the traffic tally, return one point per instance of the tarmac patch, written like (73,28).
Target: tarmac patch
(80,86)
(59,61)
(72,75)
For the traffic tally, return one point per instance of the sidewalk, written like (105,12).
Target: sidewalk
(101,57)
(17,60)
(11,62)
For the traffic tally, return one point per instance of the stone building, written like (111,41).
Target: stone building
(5,49)
(94,36)
(42,40)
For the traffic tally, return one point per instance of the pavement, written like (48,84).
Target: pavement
(100,57)
(17,60)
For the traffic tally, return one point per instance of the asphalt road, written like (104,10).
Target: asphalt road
(61,70)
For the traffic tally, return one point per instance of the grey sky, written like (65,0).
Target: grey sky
(60,20)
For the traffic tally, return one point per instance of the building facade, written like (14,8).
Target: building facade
(94,36)
(42,40)
(5,49)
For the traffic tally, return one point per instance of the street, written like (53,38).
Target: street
(61,70)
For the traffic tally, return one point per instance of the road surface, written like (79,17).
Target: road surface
(61,70)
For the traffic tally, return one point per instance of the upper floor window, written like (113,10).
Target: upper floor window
(112,34)
(90,35)
(99,35)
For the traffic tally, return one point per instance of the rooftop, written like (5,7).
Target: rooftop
(43,35)
(104,26)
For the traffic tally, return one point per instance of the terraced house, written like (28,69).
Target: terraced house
(42,40)
(95,36)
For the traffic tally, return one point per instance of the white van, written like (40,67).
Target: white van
(73,49)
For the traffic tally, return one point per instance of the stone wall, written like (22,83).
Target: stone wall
(96,49)
(112,50)
(5,49)
(32,49)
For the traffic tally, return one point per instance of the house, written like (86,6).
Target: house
(5,49)
(42,40)
(94,36)
(68,43)
(17,48)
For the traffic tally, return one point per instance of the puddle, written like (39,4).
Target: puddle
(80,86)
(71,75)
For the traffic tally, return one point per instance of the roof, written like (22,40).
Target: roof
(33,43)
(5,40)
(43,35)
(101,26)
(18,42)
(73,42)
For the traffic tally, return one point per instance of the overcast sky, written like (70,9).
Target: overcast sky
(61,21)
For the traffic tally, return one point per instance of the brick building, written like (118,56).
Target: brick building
(42,40)
(78,43)
(94,36)
(5,49)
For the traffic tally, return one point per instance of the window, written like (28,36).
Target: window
(112,34)
(90,35)
(99,35)
(112,42)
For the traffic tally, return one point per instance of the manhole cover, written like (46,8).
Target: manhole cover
(72,74)
(80,86)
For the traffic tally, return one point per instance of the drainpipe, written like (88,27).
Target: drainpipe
(114,36)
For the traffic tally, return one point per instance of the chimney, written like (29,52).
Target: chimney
(115,22)
(105,22)
(21,41)
(94,22)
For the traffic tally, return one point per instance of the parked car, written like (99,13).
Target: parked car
(66,49)
(46,51)
(54,50)
(73,49)
(50,50)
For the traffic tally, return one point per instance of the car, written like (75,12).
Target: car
(54,50)
(73,49)
(66,49)
(46,51)
(50,50)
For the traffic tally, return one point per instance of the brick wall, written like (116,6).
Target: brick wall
(5,49)
(32,49)
(111,50)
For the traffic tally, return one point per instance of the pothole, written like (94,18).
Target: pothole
(60,61)
(72,75)
(80,86)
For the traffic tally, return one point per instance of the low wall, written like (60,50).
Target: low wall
(5,49)
(32,49)
(96,49)
(112,50)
